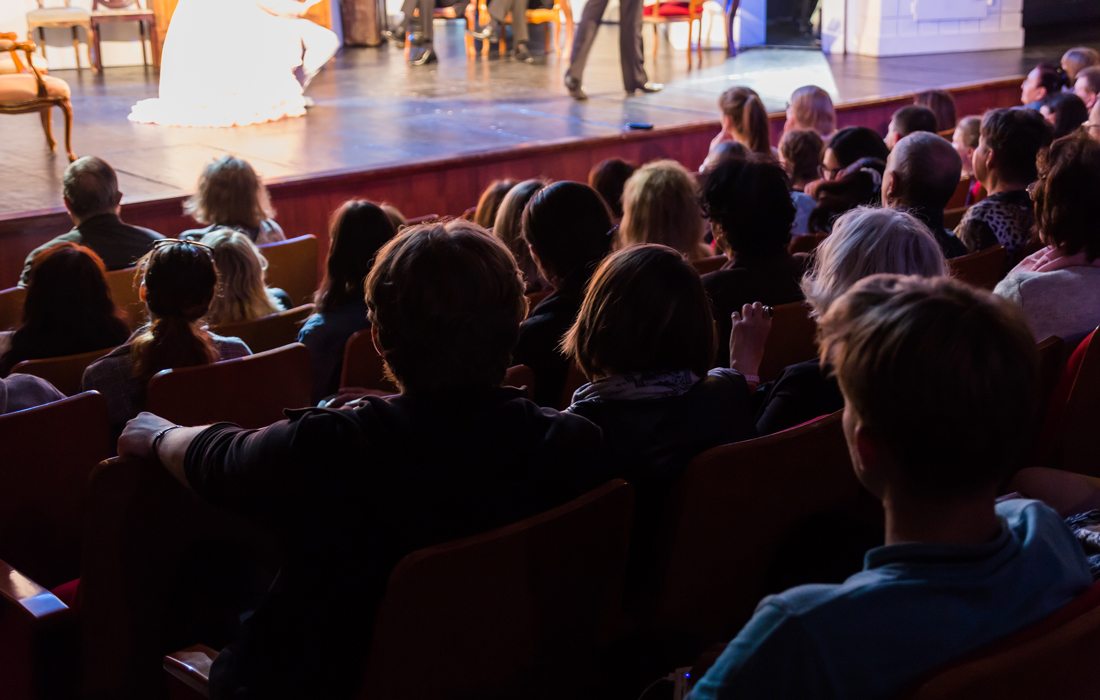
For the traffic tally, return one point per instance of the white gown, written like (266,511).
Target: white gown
(227,63)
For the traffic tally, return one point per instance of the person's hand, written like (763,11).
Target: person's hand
(748,336)
(811,188)
(137,437)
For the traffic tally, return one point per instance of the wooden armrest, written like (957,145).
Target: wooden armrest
(191,667)
(38,603)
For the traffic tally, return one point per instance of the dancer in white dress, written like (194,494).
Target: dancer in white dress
(233,62)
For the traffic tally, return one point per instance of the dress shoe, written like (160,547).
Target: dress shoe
(523,53)
(647,88)
(426,56)
(490,32)
(574,87)
(396,34)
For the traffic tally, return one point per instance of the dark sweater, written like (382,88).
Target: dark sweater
(350,492)
(118,243)
(802,392)
(540,337)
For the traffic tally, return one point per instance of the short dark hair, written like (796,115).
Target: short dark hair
(929,169)
(942,105)
(1069,113)
(802,149)
(965,363)
(446,301)
(1052,78)
(608,178)
(90,186)
(568,228)
(489,202)
(751,201)
(1016,136)
(645,311)
(855,142)
(1092,77)
(914,118)
(1065,210)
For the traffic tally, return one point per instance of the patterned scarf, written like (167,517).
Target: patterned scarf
(635,387)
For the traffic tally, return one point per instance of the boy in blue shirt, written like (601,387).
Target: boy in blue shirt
(939,381)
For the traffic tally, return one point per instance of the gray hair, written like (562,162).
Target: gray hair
(866,241)
(90,186)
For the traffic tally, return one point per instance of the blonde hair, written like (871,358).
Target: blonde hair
(867,241)
(661,205)
(242,294)
(230,193)
(812,109)
(749,120)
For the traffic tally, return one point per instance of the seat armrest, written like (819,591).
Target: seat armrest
(23,594)
(189,670)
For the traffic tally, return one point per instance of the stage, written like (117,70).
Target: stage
(429,138)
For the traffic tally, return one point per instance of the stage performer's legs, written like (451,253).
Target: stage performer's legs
(319,45)
(631,51)
(582,46)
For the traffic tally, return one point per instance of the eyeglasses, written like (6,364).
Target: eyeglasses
(166,242)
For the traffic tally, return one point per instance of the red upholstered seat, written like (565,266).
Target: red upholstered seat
(669,9)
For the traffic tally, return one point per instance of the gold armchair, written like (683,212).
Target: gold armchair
(24,92)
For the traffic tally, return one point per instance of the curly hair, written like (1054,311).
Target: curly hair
(1069,178)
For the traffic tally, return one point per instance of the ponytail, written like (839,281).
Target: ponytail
(754,125)
(171,342)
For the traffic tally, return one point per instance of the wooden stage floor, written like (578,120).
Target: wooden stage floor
(374,111)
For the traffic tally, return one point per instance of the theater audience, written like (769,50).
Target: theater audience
(353,491)
(67,310)
(852,166)
(1078,59)
(397,219)
(644,338)
(608,177)
(864,242)
(811,108)
(1004,162)
(569,231)
(1043,82)
(1087,85)
(1066,112)
(942,105)
(958,570)
(489,203)
(358,230)
(506,227)
(744,120)
(1092,126)
(910,120)
(750,214)
(965,140)
(19,392)
(1058,287)
(921,176)
(231,195)
(661,205)
(800,155)
(242,294)
(89,189)
(178,283)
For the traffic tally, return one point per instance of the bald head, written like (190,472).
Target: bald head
(922,172)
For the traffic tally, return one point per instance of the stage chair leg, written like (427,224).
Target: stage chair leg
(656,41)
(42,41)
(144,56)
(154,44)
(76,46)
(67,110)
(690,25)
(47,128)
(95,53)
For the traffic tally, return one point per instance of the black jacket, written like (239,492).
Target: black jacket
(118,243)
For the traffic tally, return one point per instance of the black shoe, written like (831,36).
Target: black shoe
(396,35)
(523,53)
(574,87)
(490,32)
(427,55)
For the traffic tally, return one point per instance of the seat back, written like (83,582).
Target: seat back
(1052,362)
(500,613)
(705,265)
(292,266)
(793,339)
(49,451)
(983,268)
(250,391)
(65,373)
(271,331)
(11,308)
(962,190)
(729,519)
(1065,440)
(363,366)
(124,291)
(1054,658)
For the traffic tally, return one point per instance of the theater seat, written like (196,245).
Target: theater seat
(363,365)
(509,613)
(1065,441)
(714,262)
(65,373)
(793,339)
(270,332)
(982,269)
(292,266)
(1055,658)
(37,638)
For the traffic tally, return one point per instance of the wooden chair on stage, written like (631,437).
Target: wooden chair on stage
(671,12)
(557,16)
(107,11)
(22,93)
(64,17)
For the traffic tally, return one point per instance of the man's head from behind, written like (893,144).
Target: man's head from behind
(1009,146)
(89,188)
(939,380)
(445,302)
(910,120)
(922,172)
